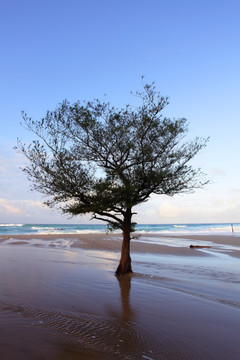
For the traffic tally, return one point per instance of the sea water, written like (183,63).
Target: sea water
(184,229)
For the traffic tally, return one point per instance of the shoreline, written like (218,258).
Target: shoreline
(140,243)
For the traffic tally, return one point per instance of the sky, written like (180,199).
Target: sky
(82,49)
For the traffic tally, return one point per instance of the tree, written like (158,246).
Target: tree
(93,158)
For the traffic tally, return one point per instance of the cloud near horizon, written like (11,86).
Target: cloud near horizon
(19,206)
(195,208)
(9,206)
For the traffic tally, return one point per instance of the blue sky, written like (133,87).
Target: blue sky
(55,50)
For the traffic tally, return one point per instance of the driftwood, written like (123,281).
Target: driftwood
(199,246)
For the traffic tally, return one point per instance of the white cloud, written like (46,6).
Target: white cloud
(19,206)
(201,207)
(9,207)
(169,210)
(33,211)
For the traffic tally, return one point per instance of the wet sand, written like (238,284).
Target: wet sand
(60,299)
(146,243)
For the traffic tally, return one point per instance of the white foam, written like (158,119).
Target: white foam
(12,225)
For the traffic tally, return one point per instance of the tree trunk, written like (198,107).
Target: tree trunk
(125,266)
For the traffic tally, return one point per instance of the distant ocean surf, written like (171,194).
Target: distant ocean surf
(23,229)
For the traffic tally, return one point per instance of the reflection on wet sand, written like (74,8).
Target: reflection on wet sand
(42,309)
(125,313)
(125,287)
(66,304)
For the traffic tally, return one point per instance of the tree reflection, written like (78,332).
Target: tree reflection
(126,313)
(125,287)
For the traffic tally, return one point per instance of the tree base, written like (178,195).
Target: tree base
(123,269)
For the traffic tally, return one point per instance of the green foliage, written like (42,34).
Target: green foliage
(113,226)
(93,158)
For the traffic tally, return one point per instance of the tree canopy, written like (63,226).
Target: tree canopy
(91,157)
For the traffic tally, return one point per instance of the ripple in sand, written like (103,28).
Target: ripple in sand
(108,337)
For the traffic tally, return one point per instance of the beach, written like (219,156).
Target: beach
(60,299)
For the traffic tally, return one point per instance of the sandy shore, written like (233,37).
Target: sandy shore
(59,298)
(147,243)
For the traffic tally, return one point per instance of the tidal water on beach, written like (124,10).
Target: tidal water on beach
(24,229)
(58,302)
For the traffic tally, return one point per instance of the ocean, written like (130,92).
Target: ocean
(215,228)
